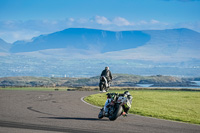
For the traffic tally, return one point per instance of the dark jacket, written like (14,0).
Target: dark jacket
(107,74)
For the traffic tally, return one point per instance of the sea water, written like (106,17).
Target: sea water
(196,83)
(144,85)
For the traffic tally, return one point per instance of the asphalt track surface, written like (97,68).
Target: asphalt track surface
(63,111)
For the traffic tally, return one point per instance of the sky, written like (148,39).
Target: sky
(25,19)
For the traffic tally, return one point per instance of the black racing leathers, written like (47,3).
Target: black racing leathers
(107,74)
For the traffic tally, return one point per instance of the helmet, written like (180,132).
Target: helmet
(126,93)
(107,68)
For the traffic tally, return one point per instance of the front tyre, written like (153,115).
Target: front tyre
(101,87)
(106,89)
(100,116)
(116,113)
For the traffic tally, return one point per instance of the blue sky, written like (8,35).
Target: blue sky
(24,19)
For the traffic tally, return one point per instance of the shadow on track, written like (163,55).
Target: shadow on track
(75,118)
(37,127)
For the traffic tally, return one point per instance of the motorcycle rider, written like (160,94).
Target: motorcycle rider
(125,107)
(107,73)
(112,96)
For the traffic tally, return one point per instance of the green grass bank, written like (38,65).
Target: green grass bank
(174,105)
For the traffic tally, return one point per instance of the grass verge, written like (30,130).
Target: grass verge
(181,106)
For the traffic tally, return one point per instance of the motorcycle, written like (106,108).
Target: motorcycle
(115,105)
(103,85)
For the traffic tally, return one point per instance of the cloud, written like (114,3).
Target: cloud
(71,19)
(150,22)
(121,21)
(101,20)
(142,22)
(13,30)
(12,36)
(153,21)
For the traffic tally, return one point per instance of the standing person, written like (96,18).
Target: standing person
(107,74)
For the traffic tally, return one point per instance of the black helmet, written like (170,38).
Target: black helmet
(126,93)
(106,68)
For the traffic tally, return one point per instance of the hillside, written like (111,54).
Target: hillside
(4,46)
(122,80)
(166,46)
(172,45)
(85,39)
(79,52)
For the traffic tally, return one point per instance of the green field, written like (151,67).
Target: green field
(164,104)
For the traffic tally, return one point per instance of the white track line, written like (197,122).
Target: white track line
(82,99)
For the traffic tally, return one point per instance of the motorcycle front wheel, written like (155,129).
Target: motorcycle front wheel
(116,113)
(106,89)
(101,87)
(100,116)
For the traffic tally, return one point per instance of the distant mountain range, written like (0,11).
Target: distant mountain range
(85,39)
(170,48)
(156,45)
(4,46)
